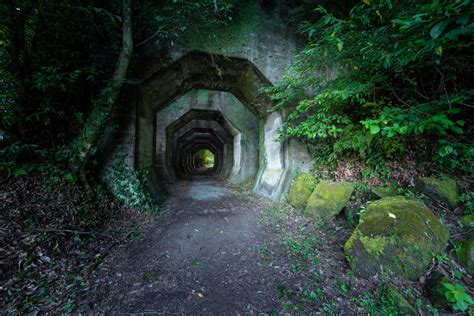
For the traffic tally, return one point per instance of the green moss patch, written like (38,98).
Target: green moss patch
(465,254)
(399,301)
(301,190)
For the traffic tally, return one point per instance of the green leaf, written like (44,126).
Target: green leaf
(443,152)
(457,129)
(19,172)
(461,306)
(340,46)
(70,177)
(438,29)
(374,129)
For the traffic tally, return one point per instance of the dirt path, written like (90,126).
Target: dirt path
(202,256)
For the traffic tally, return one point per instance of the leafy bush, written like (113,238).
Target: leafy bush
(457,296)
(388,78)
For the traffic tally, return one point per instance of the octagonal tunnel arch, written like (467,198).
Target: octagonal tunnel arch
(187,148)
(212,125)
(221,151)
(222,95)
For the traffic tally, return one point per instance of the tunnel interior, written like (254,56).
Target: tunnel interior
(204,102)
(212,120)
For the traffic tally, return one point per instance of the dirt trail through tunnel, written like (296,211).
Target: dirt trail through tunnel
(201,256)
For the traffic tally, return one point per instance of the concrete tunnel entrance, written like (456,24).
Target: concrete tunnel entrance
(203,101)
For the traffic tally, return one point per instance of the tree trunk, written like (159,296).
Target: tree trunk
(84,146)
(16,49)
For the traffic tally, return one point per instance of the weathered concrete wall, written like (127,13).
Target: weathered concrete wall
(261,38)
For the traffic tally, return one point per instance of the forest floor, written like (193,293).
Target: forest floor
(214,249)
(219,249)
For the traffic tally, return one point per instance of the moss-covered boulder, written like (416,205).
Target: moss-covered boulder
(443,191)
(328,199)
(399,301)
(383,192)
(300,190)
(467,220)
(465,254)
(398,235)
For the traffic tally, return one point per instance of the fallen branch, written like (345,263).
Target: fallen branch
(70,231)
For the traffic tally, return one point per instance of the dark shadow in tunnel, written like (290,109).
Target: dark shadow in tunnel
(204,127)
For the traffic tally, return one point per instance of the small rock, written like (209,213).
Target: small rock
(301,190)
(328,199)
(397,300)
(442,191)
(383,192)
(465,254)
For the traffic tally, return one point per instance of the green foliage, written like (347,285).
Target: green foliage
(7,91)
(14,155)
(47,74)
(457,296)
(388,78)
(170,20)
(468,200)
(205,158)
(128,185)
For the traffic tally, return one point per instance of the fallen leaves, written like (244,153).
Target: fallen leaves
(51,235)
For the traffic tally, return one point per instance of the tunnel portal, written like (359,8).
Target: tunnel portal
(207,102)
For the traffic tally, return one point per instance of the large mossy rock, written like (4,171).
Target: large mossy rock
(443,191)
(398,235)
(301,190)
(328,199)
(465,254)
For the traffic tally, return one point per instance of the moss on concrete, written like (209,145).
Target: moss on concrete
(238,32)
(398,235)
(328,199)
(443,191)
(301,189)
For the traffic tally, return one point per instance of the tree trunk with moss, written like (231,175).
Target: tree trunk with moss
(85,145)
